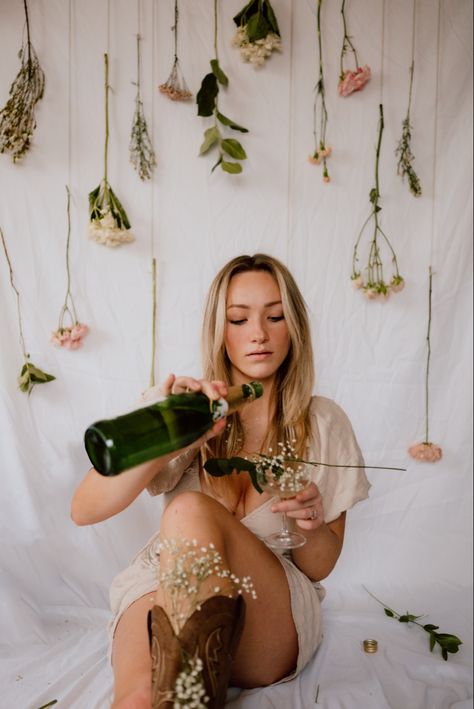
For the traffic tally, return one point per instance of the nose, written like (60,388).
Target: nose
(259,334)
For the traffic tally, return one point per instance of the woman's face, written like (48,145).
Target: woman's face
(256,335)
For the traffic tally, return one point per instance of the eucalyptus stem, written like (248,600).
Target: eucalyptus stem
(428,357)
(17,293)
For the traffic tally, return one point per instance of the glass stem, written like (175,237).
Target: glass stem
(284,532)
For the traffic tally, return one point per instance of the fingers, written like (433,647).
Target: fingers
(306,508)
(183,385)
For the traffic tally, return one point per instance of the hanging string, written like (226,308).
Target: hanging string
(152,202)
(435,130)
(108,26)
(382,53)
(290,172)
(69,95)
(412,65)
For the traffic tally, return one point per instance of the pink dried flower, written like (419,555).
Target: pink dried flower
(353,80)
(397,284)
(426,452)
(315,158)
(70,338)
(357,281)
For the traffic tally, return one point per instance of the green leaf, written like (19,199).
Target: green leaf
(206,96)
(218,73)
(390,613)
(373,195)
(217,164)
(257,27)
(211,137)
(428,627)
(432,641)
(118,211)
(404,619)
(218,467)
(233,148)
(228,122)
(444,653)
(271,17)
(242,17)
(232,167)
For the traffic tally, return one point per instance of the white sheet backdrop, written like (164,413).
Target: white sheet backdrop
(411,542)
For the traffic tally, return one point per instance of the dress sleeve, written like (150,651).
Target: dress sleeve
(333,441)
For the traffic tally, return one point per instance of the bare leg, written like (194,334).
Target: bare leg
(268,647)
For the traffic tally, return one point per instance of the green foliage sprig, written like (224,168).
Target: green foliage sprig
(142,155)
(206,100)
(29,374)
(447,642)
(218,467)
(258,34)
(374,285)
(17,118)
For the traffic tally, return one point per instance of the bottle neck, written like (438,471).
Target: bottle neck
(239,395)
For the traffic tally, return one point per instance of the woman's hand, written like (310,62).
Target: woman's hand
(306,508)
(182,385)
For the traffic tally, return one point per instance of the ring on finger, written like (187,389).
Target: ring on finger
(313,514)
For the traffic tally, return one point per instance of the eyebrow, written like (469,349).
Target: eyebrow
(247,307)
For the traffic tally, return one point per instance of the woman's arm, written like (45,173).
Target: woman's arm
(99,497)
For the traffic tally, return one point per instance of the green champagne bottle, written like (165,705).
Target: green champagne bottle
(115,445)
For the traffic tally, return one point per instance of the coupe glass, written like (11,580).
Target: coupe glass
(284,480)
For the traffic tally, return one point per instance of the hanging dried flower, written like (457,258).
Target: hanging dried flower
(206,100)
(175,86)
(29,374)
(108,221)
(142,155)
(403,151)
(350,81)
(69,336)
(257,33)
(426,451)
(373,285)
(320,114)
(17,118)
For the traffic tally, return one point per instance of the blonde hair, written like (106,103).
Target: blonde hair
(294,379)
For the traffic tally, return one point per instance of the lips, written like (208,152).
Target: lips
(262,353)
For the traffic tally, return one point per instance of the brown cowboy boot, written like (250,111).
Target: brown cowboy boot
(211,633)
(165,658)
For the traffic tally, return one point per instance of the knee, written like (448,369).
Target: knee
(187,508)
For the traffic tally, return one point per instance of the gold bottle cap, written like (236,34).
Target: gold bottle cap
(370,645)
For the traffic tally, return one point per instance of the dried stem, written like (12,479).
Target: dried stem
(17,293)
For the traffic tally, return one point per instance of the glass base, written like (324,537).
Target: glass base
(285,540)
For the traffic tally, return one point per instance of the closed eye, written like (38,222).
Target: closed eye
(238,322)
(276,318)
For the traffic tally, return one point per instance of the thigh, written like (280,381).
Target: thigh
(268,648)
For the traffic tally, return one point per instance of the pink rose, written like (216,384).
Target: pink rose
(357,281)
(426,452)
(78,331)
(59,337)
(353,80)
(314,159)
(72,344)
(397,284)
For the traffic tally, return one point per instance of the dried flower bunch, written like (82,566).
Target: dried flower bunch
(29,374)
(257,33)
(447,642)
(190,573)
(108,221)
(320,115)
(206,100)
(142,155)
(17,117)
(426,451)
(189,688)
(373,285)
(69,336)
(175,86)
(350,80)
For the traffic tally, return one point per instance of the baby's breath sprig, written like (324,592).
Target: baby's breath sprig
(320,113)
(290,476)
(175,86)
(108,221)
(189,689)
(258,34)
(17,118)
(192,574)
(447,642)
(374,286)
(206,100)
(29,374)
(142,155)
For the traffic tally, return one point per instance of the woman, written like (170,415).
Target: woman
(255,328)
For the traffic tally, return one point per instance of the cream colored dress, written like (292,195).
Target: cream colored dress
(332,441)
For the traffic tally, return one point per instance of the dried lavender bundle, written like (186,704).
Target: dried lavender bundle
(17,118)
